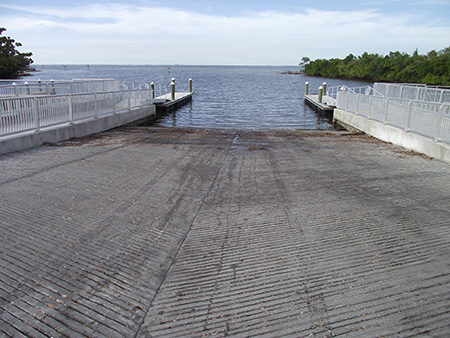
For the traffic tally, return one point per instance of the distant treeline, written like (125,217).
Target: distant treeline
(432,68)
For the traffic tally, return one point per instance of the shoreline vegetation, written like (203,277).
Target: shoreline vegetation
(13,63)
(432,68)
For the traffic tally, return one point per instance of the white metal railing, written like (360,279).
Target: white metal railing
(27,113)
(331,94)
(416,92)
(54,87)
(430,119)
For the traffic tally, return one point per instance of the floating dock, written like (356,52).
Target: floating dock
(164,103)
(313,102)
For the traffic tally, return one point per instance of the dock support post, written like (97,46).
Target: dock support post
(172,90)
(190,85)
(320,94)
(306,87)
(152,87)
(324,85)
(53,91)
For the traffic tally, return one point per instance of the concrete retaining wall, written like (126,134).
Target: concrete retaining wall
(427,146)
(81,128)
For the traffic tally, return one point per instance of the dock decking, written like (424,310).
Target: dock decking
(164,104)
(313,101)
(161,232)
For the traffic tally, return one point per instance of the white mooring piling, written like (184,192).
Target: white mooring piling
(152,87)
(320,94)
(172,90)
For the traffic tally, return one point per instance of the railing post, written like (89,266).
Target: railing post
(306,87)
(370,108)
(27,86)
(35,106)
(320,94)
(190,85)
(338,99)
(172,90)
(418,93)
(70,110)
(358,96)
(385,110)
(15,88)
(408,118)
(437,134)
(346,100)
(95,106)
(114,102)
(129,99)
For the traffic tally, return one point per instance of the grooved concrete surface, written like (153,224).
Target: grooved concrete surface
(151,232)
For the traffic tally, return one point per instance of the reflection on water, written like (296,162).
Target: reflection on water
(306,119)
(224,96)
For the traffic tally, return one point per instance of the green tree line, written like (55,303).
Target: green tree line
(12,62)
(432,68)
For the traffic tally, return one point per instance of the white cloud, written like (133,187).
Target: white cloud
(124,34)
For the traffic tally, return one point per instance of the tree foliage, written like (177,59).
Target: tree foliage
(432,68)
(12,62)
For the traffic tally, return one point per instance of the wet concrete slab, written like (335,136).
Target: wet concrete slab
(154,232)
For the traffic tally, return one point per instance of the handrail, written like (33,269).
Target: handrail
(414,92)
(31,113)
(332,92)
(367,90)
(42,87)
(426,118)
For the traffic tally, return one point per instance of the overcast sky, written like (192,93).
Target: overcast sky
(221,32)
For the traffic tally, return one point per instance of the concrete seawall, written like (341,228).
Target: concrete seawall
(397,136)
(31,139)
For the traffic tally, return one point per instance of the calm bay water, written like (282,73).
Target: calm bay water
(256,97)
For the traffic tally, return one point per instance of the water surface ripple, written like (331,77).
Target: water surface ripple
(253,97)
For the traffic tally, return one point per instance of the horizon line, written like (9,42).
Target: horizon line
(156,64)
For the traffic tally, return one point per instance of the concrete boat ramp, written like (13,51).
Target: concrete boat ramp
(152,232)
